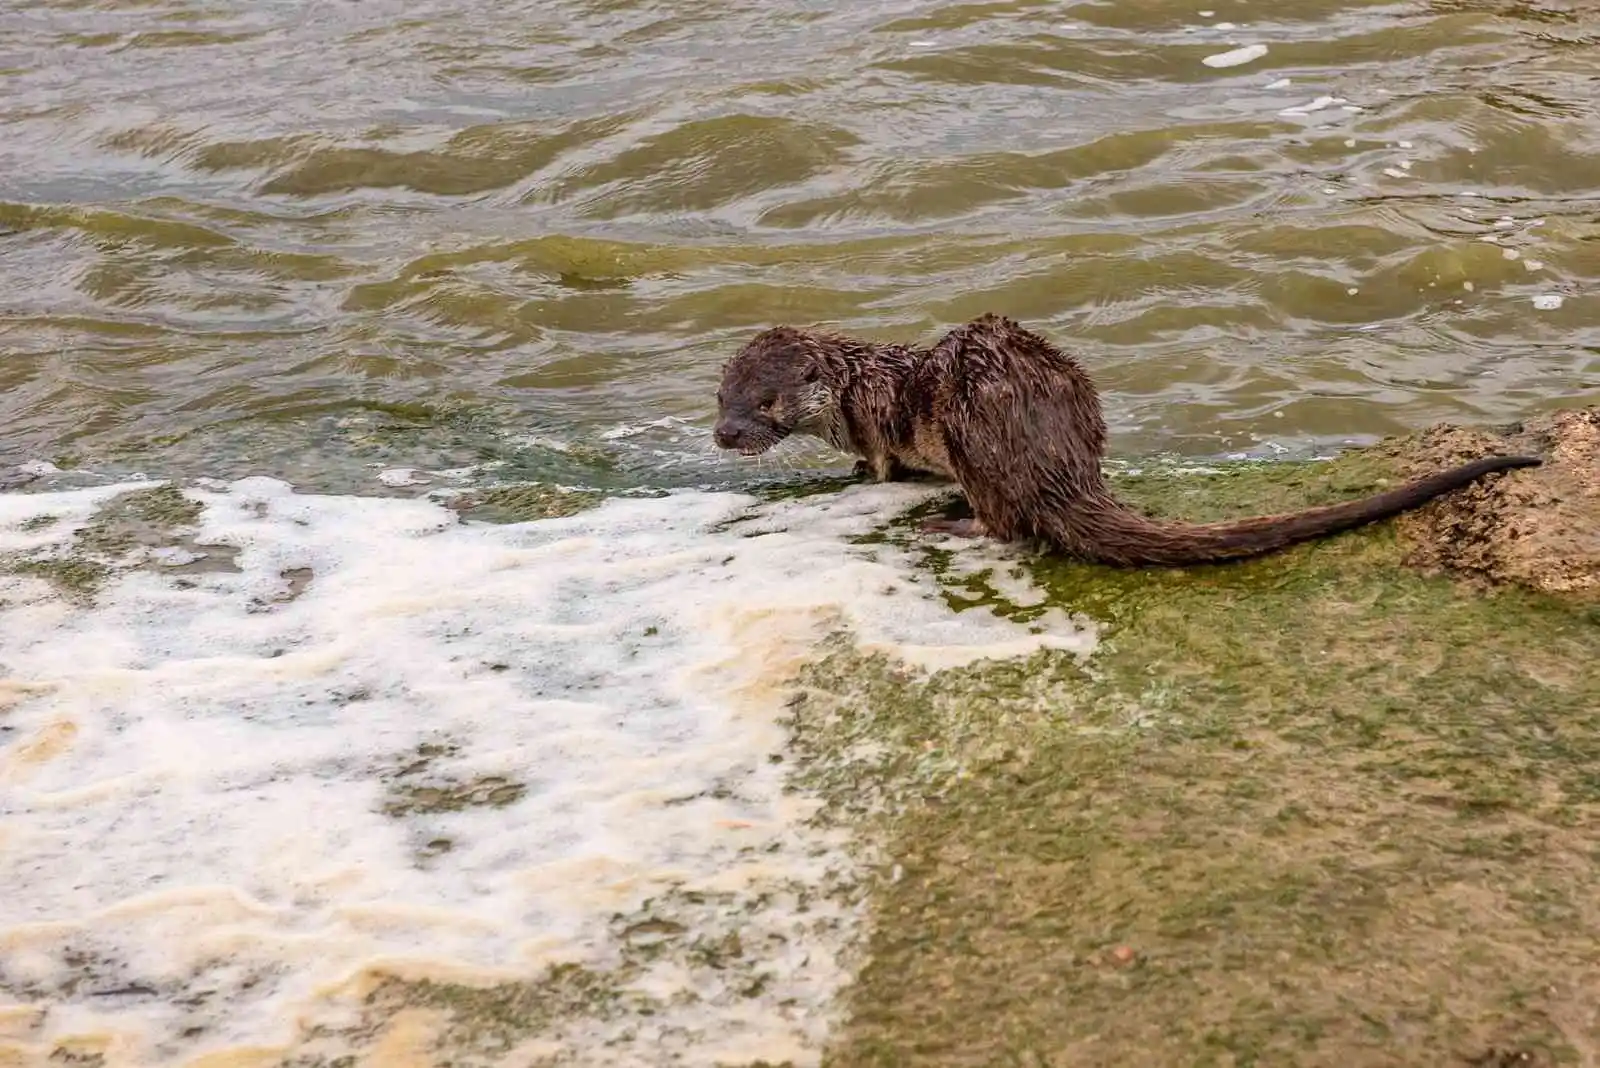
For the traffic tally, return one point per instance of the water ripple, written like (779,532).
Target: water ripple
(568,213)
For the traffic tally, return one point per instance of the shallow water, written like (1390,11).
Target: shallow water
(380,249)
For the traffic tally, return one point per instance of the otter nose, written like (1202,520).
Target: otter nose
(726,436)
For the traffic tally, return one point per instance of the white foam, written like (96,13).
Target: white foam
(402,476)
(198,765)
(666,422)
(1236,57)
(1548,301)
(1317,104)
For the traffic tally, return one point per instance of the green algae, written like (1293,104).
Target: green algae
(801,486)
(34,524)
(162,506)
(75,578)
(415,788)
(141,518)
(522,503)
(492,1019)
(1311,809)
(716,937)
(485,791)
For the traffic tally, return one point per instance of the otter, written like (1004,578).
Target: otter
(1016,423)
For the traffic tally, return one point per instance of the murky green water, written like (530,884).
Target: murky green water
(322,240)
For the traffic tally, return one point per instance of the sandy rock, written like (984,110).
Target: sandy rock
(1535,527)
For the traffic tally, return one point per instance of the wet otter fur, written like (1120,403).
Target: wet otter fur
(1017,424)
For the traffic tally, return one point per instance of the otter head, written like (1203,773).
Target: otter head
(771,388)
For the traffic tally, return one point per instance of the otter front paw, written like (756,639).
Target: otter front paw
(880,471)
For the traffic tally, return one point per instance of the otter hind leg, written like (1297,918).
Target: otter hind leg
(970,527)
(1009,466)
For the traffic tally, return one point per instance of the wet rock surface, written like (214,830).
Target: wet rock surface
(1537,527)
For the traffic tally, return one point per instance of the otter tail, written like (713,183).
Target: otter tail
(1116,535)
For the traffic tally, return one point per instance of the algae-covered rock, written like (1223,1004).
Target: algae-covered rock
(122,534)
(415,787)
(520,503)
(1539,529)
(1317,808)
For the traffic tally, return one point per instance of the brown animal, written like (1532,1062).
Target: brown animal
(1017,424)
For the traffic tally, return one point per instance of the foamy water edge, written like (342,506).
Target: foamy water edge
(386,741)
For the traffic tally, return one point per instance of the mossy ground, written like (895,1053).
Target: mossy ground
(1310,810)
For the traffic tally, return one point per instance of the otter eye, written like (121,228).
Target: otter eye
(766,407)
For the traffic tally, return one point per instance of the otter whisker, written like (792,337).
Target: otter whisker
(785,454)
(706,449)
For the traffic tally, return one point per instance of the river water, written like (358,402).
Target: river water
(378,249)
(230,227)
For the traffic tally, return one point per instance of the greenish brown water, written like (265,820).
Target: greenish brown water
(314,240)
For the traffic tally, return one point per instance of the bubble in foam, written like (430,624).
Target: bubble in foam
(403,476)
(1314,105)
(1236,57)
(383,739)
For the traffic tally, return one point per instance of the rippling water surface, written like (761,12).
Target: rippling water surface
(242,233)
